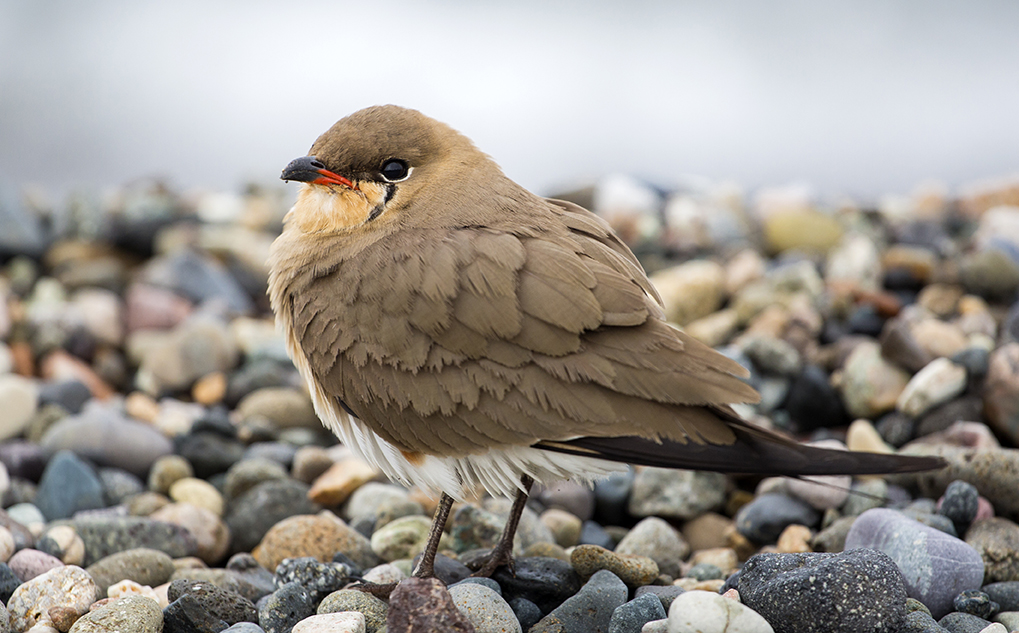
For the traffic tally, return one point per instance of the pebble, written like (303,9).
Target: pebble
(707,531)
(870,384)
(859,590)
(66,586)
(812,401)
(197,492)
(130,613)
(589,610)
(224,605)
(119,485)
(707,612)
(485,608)
(285,607)
(285,407)
(248,473)
(546,582)
(690,290)
(166,471)
(195,348)
(992,472)
(934,565)
(763,519)
(319,578)
(997,541)
(403,538)
(257,510)
(7,544)
(611,497)
(319,536)
(565,527)
(1001,391)
(593,534)
(68,485)
(8,582)
(131,588)
(211,534)
(108,535)
(142,565)
(349,622)
(373,609)
(960,504)
(337,483)
(29,563)
(940,381)
(187,614)
(104,436)
(822,492)
(976,603)
(678,494)
(1005,593)
(654,538)
(424,604)
(19,399)
(632,569)
(965,623)
(633,615)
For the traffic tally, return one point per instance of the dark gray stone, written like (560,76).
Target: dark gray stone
(546,582)
(118,485)
(590,610)
(593,534)
(976,603)
(187,615)
(921,622)
(320,579)
(69,394)
(526,611)
(764,518)
(963,623)
(859,590)
(8,583)
(108,535)
(632,616)
(664,594)
(1006,594)
(23,459)
(936,567)
(68,485)
(284,608)
(209,453)
(219,603)
(959,504)
(252,514)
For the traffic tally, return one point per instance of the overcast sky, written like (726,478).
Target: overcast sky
(861,97)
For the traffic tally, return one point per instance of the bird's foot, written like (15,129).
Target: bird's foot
(379,590)
(484,567)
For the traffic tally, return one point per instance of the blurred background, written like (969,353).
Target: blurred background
(859,98)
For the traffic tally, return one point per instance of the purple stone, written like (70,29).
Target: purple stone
(935,565)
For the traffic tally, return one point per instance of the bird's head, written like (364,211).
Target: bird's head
(369,165)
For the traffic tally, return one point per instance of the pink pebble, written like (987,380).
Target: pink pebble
(984,509)
(29,563)
(732,594)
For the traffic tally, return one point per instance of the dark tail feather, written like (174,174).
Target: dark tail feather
(755,452)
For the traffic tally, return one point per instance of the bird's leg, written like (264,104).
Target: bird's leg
(426,566)
(502,554)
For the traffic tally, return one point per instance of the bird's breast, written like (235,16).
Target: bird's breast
(335,208)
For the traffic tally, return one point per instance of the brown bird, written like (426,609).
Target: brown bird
(460,332)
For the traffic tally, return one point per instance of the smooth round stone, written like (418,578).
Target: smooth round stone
(678,494)
(68,485)
(563,525)
(403,538)
(396,509)
(997,541)
(373,609)
(285,607)
(23,459)
(812,401)
(485,608)
(1010,619)
(707,612)
(707,531)
(959,504)
(366,500)
(252,514)
(104,436)
(593,534)
(248,473)
(208,453)
(68,586)
(1006,594)
(691,290)
(310,462)
(224,605)
(900,346)
(871,492)
(19,399)
(29,563)
(590,609)
(384,574)
(633,570)
(166,471)
(859,590)
(198,493)
(108,535)
(965,623)
(319,535)
(8,582)
(286,407)
(317,577)
(546,582)
(825,491)
(197,347)
(282,452)
(656,539)
(486,582)
(142,565)
(633,615)
(935,566)
(530,530)
(212,536)
(763,519)
(833,537)
(526,612)
(137,614)
(7,544)
(471,528)
(69,394)
(871,385)
(937,383)
(26,514)
(347,622)
(665,594)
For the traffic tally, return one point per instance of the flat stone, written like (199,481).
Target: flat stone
(137,614)
(345,476)
(937,383)
(108,535)
(546,582)
(347,622)
(373,609)
(224,605)
(104,436)
(634,570)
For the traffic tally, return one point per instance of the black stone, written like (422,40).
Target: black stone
(8,583)
(896,428)
(963,623)
(545,581)
(967,408)
(257,580)
(187,615)
(959,504)
(209,453)
(320,579)
(976,603)
(857,590)
(224,605)
(764,518)
(264,505)
(812,402)
(1005,593)
(215,420)
(526,611)
(285,607)
(921,622)
(865,320)
(611,496)
(446,569)
(23,459)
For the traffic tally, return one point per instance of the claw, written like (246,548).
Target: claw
(378,590)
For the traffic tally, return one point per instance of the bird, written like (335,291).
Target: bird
(461,333)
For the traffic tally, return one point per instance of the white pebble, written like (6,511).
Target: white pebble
(341,622)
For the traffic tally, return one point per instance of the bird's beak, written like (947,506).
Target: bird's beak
(310,169)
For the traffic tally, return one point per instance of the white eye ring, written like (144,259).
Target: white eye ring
(395,170)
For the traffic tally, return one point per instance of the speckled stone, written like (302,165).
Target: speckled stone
(225,605)
(656,539)
(211,534)
(320,536)
(633,615)
(319,578)
(284,608)
(142,565)
(590,610)
(403,538)
(424,604)
(632,569)
(136,614)
(679,494)
(68,586)
(108,535)
(373,609)
(253,513)
(997,541)
(485,608)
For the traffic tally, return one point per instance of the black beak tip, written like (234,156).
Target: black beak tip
(303,169)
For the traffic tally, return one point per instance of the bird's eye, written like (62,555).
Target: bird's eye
(395,170)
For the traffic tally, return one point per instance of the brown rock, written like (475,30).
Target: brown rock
(63,618)
(344,477)
(997,540)
(634,570)
(320,536)
(794,539)
(310,462)
(1001,391)
(939,338)
(423,605)
(706,531)
(210,531)
(210,388)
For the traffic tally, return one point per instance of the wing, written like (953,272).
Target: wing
(453,341)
